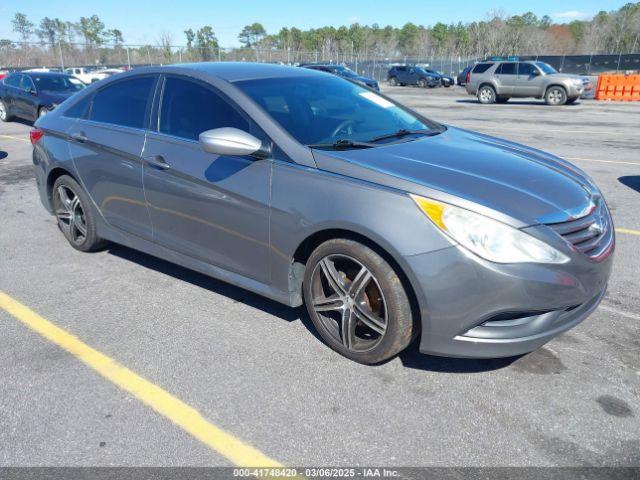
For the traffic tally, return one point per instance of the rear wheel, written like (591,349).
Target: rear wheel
(75,215)
(4,112)
(357,301)
(556,96)
(393,81)
(486,95)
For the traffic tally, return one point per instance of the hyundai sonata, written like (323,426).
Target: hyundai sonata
(308,188)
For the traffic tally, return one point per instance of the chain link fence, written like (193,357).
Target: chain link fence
(60,55)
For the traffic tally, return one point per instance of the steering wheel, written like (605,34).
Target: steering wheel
(342,126)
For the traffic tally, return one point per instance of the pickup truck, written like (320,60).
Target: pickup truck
(86,75)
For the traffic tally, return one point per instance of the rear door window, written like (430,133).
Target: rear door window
(13,80)
(124,103)
(507,69)
(189,108)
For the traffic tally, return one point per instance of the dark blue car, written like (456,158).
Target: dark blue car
(30,95)
(345,72)
(412,75)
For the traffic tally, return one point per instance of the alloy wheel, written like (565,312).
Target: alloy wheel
(556,96)
(70,214)
(3,112)
(486,95)
(349,301)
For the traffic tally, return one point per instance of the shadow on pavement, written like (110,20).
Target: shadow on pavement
(631,181)
(410,358)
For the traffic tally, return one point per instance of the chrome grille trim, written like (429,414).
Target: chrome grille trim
(591,234)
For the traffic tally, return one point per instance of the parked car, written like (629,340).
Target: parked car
(307,188)
(345,72)
(497,82)
(87,75)
(445,80)
(110,71)
(462,76)
(411,75)
(30,95)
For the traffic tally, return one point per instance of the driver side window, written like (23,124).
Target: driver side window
(189,108)
(26,84)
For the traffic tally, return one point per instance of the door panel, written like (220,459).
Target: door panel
(529,85)
(213,208)
(507,76)
(110,168)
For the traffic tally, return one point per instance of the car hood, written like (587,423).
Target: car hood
(49,97)
(516,184)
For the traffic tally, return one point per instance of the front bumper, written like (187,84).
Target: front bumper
(478,309)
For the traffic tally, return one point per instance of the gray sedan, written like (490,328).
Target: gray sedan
(308,188)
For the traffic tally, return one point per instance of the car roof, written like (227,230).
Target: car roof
(45,74)
(236,71)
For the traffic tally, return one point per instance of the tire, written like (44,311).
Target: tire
(4,112)
(380,300)
(555,96)
(422,83)
(500,99)
(75,215)
(393,81)
(486,95)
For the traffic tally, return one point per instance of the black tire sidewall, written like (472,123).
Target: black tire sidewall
(400,326)
(92,242)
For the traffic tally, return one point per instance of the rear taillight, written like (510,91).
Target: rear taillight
(35,135)
(468,77)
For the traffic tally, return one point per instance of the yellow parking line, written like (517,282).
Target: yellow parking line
(183,415)
(11,137)
(628,230)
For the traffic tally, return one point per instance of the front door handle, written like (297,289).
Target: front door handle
(79,137)
(157,161)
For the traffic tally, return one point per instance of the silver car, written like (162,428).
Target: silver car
(308,188)
(497,82)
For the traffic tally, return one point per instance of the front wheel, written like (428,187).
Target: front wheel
(555,96)
(393,81)
(486,95)
(422,83)
(76,218)
(357,302)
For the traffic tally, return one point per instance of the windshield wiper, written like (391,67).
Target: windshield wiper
(403,132)
(342,145)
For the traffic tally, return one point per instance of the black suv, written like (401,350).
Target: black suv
(412,75)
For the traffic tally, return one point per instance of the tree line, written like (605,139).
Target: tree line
(616,31)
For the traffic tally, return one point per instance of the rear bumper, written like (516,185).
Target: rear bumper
(478,309)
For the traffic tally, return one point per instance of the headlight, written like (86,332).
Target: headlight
(488,238)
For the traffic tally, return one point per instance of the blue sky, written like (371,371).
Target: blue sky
(141,22)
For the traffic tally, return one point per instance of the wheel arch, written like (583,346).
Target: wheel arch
(488,84)
(313,240)
(566,90)
(52,176)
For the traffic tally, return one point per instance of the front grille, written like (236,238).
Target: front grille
(590,234)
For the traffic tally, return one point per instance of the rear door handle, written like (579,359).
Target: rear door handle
(79,137)
(157,161)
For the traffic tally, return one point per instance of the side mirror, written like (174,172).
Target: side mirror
(233,142)
(32,91)
(536,73)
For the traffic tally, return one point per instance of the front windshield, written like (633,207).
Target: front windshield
(57,83)
(325,110)
(546,68)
